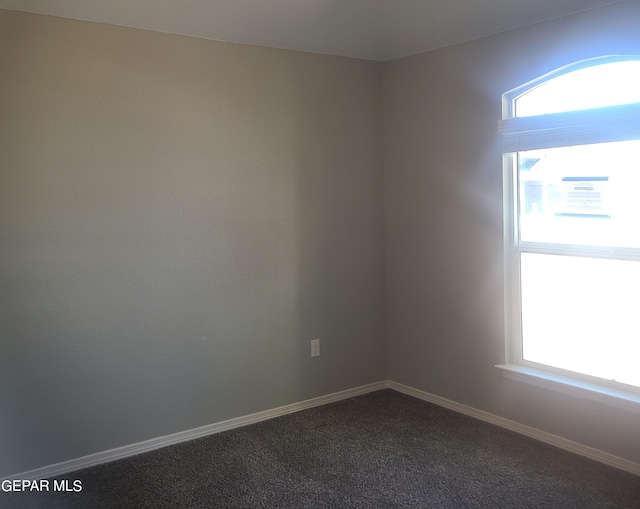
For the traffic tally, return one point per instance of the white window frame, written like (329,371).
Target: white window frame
(599,125)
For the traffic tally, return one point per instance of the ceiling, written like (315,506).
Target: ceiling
(369,29)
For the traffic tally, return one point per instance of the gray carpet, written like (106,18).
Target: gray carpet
(381,450)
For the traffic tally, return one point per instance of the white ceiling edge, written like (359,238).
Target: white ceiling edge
(367,29)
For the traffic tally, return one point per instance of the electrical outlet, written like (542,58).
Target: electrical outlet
(315,347)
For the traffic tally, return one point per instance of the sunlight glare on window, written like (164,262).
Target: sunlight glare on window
(586,194)
(573,251)
(580,314)
(609,84)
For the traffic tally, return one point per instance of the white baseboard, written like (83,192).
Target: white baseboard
(543,436)
(126,451)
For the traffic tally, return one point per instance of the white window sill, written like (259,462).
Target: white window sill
(609,396)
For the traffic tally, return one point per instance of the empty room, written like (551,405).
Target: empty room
(319,253)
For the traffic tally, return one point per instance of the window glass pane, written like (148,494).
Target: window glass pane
(585,195)
(602,85)
(581,314)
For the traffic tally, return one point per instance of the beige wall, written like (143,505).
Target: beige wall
(178,218)
(443,207)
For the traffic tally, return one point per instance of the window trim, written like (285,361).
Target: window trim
(572,386)
(597,125)
(613,123)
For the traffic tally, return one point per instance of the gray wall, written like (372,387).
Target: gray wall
(443,207)
(178,219)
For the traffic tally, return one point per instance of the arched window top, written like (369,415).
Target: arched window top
(607,81)
(571,209)
(593,101)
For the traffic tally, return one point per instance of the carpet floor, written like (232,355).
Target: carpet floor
(380,450)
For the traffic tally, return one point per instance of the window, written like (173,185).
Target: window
(571,143)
